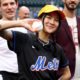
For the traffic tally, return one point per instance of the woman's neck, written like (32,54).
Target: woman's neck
(43,36)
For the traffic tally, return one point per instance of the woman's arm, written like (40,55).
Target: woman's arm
(66,75)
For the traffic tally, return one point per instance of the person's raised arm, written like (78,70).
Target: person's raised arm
(26,23)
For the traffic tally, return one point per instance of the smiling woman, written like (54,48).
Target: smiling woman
(38,61)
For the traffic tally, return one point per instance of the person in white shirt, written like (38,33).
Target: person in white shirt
(8,59)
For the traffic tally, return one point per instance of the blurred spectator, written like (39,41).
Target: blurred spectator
(23,12)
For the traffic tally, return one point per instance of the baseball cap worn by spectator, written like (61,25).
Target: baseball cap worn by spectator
(51,8)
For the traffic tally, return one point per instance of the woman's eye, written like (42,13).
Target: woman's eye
(57,20)
(48,17)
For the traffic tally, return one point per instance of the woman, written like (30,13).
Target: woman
(39,57)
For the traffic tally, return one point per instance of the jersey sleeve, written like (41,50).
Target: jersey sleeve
(63,59)
(18,41)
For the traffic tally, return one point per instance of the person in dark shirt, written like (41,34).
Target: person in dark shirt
(39,58)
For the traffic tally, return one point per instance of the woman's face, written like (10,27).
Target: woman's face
(51,22)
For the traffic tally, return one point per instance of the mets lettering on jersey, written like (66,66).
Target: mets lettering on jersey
(40,64)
